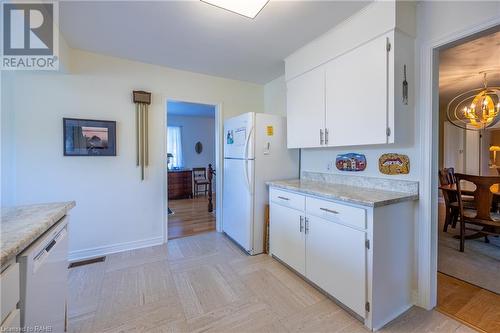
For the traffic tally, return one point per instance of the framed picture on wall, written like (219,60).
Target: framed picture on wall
(85,137)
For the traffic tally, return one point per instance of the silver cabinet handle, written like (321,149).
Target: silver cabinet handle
(326,136)
(301,228)
(283,198)
(321,140)
(307,225)
(329,210)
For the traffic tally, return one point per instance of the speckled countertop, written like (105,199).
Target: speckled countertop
(352,194)
(22,225)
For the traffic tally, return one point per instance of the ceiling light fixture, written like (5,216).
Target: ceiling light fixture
(247,8)
(475,109)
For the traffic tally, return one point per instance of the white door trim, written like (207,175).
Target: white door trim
(219,130)
(427,106)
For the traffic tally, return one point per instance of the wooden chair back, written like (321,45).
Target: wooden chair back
(447,177)
(483,196)
(199,173)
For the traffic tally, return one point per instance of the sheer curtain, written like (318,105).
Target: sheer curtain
(174,146)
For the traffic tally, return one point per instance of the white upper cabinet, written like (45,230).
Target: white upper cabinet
(357,106)
(350,79)
(306,110)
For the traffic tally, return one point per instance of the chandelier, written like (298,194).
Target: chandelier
(475,109)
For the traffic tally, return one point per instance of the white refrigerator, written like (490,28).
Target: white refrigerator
(255,151)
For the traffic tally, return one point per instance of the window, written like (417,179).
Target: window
(174,146)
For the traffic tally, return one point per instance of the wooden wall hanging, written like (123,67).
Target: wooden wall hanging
(142,100)
(394,164)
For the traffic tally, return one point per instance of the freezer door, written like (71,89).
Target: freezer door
(237,206)
(238,136)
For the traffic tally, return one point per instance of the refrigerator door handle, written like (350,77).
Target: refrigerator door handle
(247,176)
(248,142)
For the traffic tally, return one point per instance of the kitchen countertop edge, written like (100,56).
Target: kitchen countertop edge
(33,229)
(304,189)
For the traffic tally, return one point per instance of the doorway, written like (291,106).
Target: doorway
(192,160)
(468,282)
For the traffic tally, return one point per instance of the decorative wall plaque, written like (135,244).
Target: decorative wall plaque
(394,164)
(350,162)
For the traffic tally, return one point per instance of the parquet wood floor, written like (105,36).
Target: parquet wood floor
(204,283)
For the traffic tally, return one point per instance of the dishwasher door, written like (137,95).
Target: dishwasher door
(44,272)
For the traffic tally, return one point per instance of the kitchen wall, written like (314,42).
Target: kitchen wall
(8,152)
(115,210)
(196,129)
(275,96)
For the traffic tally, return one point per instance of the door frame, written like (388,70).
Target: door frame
(428,109)
(219,130)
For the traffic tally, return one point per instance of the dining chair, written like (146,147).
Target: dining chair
(447,177)
(200,179)
(482,215)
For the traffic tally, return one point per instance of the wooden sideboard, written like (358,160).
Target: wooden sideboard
(180,184)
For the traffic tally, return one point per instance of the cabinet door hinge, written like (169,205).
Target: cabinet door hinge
(388,45)
(388,131)
(367,306)
(367,244)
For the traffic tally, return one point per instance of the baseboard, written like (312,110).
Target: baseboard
(114,248)
(395,315)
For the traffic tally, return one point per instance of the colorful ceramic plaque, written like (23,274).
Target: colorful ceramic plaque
(394,164)
(350,162)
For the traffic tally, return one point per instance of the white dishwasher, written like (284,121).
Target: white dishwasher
(44,272)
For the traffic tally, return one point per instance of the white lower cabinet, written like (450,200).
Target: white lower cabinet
(361,256)
(336,261)
(10,295)
(288,237)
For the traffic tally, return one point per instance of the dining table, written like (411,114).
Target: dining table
(467,189)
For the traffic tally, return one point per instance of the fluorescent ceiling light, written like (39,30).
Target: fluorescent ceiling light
(248,8)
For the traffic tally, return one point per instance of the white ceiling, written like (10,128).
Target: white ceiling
(190,109)
(194,36)
(460,65)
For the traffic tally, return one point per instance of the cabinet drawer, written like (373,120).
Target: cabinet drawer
(13,321)
(348,215)
(9,289)
(287,199)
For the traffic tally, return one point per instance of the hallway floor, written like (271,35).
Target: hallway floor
(468,303)
(205,283)
(190,217)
